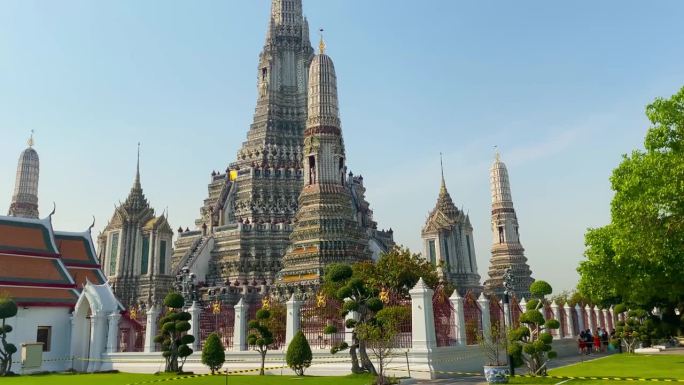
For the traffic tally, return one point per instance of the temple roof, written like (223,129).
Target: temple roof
(41,267)
(445,214)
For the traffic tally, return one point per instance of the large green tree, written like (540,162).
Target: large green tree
(637,259)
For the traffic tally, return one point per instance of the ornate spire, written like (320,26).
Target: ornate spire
(25,197)
(501,187)
(321,43)
(323,105)
(444,202)
(136,200)
(287,12)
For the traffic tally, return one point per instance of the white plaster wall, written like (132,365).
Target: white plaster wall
(25,325)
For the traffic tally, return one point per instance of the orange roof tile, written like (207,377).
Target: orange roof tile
(75,249)
(26,236)
(31,269)
(38,296)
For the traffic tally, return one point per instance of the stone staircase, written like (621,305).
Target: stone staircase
(192,253)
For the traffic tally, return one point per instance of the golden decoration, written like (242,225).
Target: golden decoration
(384,296)
(216,308)
(265,303)
(133,313)
(320,300)
(321,44)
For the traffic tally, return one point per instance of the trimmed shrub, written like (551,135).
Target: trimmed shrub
(299,354)
(213,354)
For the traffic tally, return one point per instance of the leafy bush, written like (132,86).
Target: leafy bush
(172,328)
(213,354)
(8,309)
(299,354)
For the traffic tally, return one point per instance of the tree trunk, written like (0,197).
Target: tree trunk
(365,361)
(263,359)
(356,369)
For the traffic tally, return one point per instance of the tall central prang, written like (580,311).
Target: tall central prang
(244,228)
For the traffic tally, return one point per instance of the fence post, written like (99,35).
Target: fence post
(422,317)
(195,312)
(459,318)
(240,327)
(151,328)
(523,305)
(556,315)
(580,318)
(483,302)
(569,324)
(113,331)
(292,319)
(587,310)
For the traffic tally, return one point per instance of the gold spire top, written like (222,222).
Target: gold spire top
(321,44)
(30,141)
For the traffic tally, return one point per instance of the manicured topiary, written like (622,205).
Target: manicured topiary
(213,354)
(299,354)
(530,344)
(172,333)
(8,309)
(260,335)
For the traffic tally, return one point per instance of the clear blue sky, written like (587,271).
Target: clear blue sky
(560,87)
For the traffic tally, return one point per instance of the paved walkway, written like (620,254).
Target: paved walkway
(555,363)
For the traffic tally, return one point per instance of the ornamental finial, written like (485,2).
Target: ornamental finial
(30,141)
(321,44)
(497,156)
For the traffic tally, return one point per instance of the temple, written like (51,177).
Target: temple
(507,252)
(245,223)
(448,243)
(135,249)
(325,228)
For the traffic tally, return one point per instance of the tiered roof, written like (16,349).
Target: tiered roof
(41,267)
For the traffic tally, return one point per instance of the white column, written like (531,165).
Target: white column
(195,312)
(97,340)
(580,317)
(569,324)
(597,313)
(151,328)
(348,332)
(240,327)
(523,305)
(508,317)
(483,302)
(459,317)
(422,317)
(612,317)
(113,331)
(556,315)
(587,310)
(292,319)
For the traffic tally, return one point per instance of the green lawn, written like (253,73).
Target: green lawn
(622,365)
(128,378)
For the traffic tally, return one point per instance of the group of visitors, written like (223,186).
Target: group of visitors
(588,342)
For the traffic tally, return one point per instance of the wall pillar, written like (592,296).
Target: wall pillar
(569,324)
(113,332)
(556,315)
(580,318)
(240,326)
(612,317)
(590,322)
(523,305)
(195,312)
(151,328)
(597,314)
(292,319)
(483,302)
(97,340)
(459,317)
(422,317)
(605,318)
(508,317)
